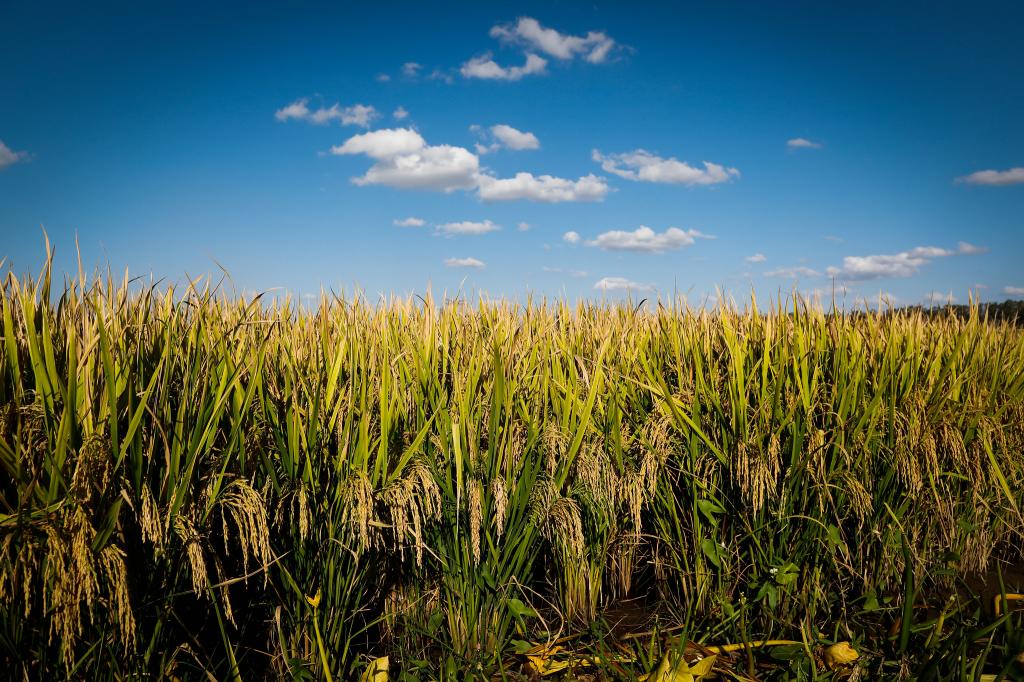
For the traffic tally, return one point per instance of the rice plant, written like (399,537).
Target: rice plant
(201,483)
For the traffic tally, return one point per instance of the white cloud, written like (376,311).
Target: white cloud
(465,263)
(756,258)
(486,68)
(641,165)
(939,298)
(645,239)
(467,227)
(833,238)
(1014,291)
(399,113)
(9,157)
(793,272)
(620,284)
(594,47)
(802,143)
(572,237)
(383,78)
(409,222)
(902,264)
(514,139)
(571,273)
(404,160)
(358,114)
(523,227)
(545,188)
(1011,176)
(411,69)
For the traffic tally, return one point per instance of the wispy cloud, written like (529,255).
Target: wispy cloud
(897,265)
(994,178)
(756,258)
(358,114)
(595,47)
(620,284)
(411,69)
(643,166)
(9,157)
(647,240)
(794,272)
(409,222)
(467,227)
(939,298)
(465,263)
(400,114)
(484,67)
(1016,292)
(523,227)
(802,143)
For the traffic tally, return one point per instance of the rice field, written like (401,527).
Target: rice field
(202,485)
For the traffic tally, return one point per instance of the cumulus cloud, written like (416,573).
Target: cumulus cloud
(9,157)
(409,222)
(486,68)
(794,272)
(404,160)
(467,227)
(994,178)
(514,139)
(1017,292)
(571,237)
(902,264)
(595,46)
(358,114)
(620,284)
(756,258)
(465,263)
(399,114)
(643,166)
(544,188)
(802,143)
(647,240)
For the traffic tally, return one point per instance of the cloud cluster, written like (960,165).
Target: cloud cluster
(403,159)
(902,264)
(594,47)
(358,114)
(994,178)
(9,157)
(644,239)
(465,263)
(643,166)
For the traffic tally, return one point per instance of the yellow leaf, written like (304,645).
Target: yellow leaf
(541,663)
(681,671)
(840,654)
(377,671)
(314,601)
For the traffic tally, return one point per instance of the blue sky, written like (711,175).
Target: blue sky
(872,147)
